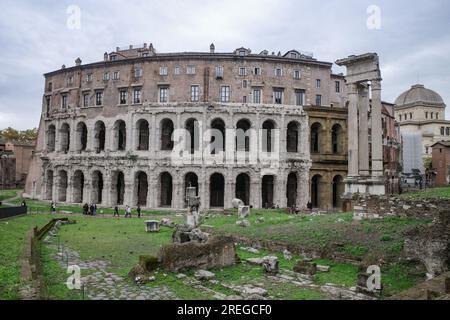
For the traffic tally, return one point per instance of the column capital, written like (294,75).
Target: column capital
(376,84)
(352,88)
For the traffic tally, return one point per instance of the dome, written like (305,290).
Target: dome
(418,93)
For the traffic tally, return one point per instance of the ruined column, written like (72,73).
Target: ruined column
(363,144)
(352,130)
(377,146)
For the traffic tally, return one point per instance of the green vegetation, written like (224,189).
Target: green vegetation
(8,194)
(435,193)
(12,234)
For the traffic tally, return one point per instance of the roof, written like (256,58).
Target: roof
(444,143)
(418,93)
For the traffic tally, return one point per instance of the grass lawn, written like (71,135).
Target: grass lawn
(7,194)
(122,241)
(12,234)
(356,239)
(434,193)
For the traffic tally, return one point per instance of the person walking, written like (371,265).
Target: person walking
(128,212)
(116,212)
(53,208)
(95,209)
(138,210)
(85,209)
(91,209)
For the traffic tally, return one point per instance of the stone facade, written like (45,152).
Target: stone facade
(7,167)
(328,147)
(138,127)
(22,152)
(441,163)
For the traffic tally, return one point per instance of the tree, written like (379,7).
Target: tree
(21,136)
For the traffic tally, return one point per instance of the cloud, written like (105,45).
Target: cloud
(413,42)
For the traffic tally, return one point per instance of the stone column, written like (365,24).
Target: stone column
(229,190)
(377,146)
(107,189)
(280,188)
(55,186)
(255,191)
(153,139)
(129,189)
(363,101)
(70,187)
(352,130)
(177,193)
(152,188)
(230,144)
(87,194)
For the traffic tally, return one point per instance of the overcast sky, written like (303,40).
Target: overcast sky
(413,41)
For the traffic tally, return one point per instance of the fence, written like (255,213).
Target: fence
(12,212)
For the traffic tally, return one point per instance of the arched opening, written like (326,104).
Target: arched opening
(142,188)
(78,186)
(292,137)
(120,135)
(118,188)
(243,188)
(51,138)
(49,185)
(166,135)
(243,135)
(268,136)
(99,136)
(316,189)
(216,190)
(97,187)
(267,191)
(82,134)
(190,180)
(291,190)
(338,190)
(315,137)
(218,137)
(62,186)
(336,139)
(143,134)
(65,137)
(166,190)
(192,136)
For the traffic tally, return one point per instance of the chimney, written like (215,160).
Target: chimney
(105,56)
(131,47)
(78,62)
(151,47)
(117,49)
(63,66)
(212,48)
(145,45)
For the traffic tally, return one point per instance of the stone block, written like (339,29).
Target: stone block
(243,212)
(151,226)
(306,267)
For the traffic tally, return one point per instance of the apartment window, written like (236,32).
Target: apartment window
(116,75)
(278,72)
(431,115)
(257,96)
(225,94)
(99,98)
(337,86)
(70,80)
(137,96)
(177,70)
(138,72)
(106,76)
(447,131)
(163,71)
(410,116)
(113,57)
(297,74)
(89,77)
(442,131)
(123,97)
(244,83)
(437,115)
(244,99)
(299,97)
(318,100)
(50,86)
(64,101)
(145,54)
(242,71)
(48,106)
(400,117)
(318,83)
(219,72)
(86,100)
(163,94)
(257,71)
(278,96)
(195,93)
(190,70)
(426,115)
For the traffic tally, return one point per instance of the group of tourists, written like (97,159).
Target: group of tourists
(128,211)
(90,210)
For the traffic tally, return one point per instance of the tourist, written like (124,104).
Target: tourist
(128,212)
(310,206)
(91,209)
(95,209)
(138,210)
(53,208)
(24,204)
(116,212)
(85,209)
